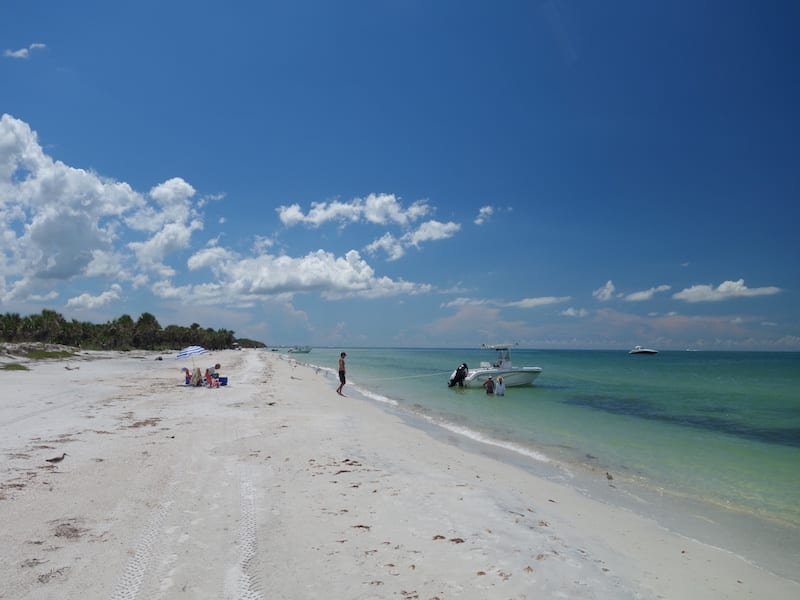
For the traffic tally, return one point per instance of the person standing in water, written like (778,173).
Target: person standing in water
(342,379)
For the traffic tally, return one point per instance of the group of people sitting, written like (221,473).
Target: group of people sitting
(195,378)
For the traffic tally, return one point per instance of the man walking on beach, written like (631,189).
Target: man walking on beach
(341,374)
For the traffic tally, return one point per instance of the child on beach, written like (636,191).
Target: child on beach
(210,381)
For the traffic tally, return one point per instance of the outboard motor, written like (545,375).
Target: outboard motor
(458,376)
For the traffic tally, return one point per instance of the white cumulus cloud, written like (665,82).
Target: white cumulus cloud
(24,52)
(606,292)
(430,231)
(393,247)
(280,277)
(463,301)
(380,209)
(536,302)
(724,291)
(87,301)
(59,223)
(647,294)
(484,214)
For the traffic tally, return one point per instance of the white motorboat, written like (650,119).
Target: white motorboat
(512,376)
(640,350)
(300,349)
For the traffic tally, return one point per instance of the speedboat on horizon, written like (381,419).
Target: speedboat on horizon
(640,350)
(299,349)
(512,376)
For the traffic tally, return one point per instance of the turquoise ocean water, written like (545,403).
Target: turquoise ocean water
(715,435)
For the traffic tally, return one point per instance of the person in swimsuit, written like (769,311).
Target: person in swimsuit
(342,379)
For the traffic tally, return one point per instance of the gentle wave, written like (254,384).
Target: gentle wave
(484,439)
(374,396)
(329,372)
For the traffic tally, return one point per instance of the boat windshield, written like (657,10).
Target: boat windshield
(503,357)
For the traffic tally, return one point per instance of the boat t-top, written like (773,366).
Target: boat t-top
(512,376)
(640,350)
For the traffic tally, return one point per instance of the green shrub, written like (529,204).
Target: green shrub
(42,354)
(14,367)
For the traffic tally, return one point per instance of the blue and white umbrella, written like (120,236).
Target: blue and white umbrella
(191,351)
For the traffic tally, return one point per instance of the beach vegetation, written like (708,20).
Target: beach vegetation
(42,354)
(14,367)
(122,333)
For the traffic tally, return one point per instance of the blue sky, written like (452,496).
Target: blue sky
(404,173)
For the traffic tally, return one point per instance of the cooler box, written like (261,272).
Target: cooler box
(223,381)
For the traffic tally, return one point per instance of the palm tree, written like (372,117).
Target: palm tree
(52,325)
(122,330)
(146,332)
(10,326)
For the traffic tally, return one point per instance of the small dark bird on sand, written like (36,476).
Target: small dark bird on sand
(608,476)
(56,459)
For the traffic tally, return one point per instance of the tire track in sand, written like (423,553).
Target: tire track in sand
(249,586)
(131,580)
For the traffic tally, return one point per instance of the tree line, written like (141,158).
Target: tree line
(123,333)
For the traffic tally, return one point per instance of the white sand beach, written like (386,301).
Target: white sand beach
(275,487)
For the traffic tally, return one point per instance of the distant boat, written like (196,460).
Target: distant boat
(640,350)
(300,349)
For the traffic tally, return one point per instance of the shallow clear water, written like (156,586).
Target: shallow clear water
(721,428)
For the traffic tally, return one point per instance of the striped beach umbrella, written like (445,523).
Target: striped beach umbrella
(191,351)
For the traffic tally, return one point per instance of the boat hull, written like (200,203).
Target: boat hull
(512,377)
